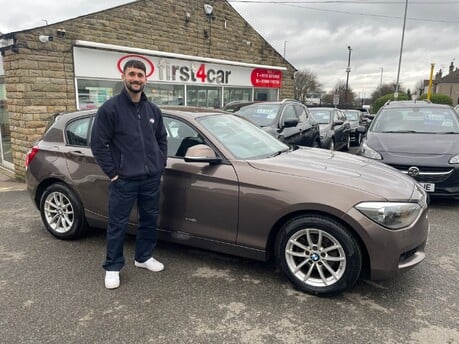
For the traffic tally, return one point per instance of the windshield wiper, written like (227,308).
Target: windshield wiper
(279,152)
(399,131)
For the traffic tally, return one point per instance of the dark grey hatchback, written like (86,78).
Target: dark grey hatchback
(420,139)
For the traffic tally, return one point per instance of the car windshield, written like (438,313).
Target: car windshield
(243,139)
(261,114)
(353,115)
(417,120)
(321,116)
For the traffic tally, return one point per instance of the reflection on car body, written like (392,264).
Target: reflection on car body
(324,216)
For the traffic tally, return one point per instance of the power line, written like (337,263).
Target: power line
(293,4)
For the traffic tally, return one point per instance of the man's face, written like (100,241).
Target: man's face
(134,79)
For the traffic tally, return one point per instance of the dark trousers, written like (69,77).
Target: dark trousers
(122,195)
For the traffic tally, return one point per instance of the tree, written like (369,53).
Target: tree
(438,98)
(382,100)
(340,89)
(382,90)
(420,86)
(306,82)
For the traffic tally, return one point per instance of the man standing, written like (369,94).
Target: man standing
(129,142)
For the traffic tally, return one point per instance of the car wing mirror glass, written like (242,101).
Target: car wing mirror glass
(201,153)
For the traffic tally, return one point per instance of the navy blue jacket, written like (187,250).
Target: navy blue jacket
(129,139)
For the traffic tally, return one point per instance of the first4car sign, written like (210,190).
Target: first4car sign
(90,62)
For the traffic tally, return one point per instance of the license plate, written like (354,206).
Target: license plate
(429,187)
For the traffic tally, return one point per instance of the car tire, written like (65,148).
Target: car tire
(318,255)
(62,213)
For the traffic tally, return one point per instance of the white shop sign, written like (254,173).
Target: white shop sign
(107,64)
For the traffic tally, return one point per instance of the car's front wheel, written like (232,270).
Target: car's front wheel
(61,212)
(319,255)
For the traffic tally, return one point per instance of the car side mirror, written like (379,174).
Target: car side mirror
(289,123)
(361,129)
(202,153)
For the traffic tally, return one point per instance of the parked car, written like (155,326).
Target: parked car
(357,124)
(287,120)
(420,139)
(325,217)
(456,108)
(335,129)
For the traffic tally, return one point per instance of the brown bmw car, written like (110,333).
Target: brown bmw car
(324,216)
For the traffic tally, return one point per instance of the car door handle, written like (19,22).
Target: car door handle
(76,153)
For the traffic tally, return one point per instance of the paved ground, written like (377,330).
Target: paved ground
(52,291)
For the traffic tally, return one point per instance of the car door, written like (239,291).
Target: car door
(197,198)
(338,129)
(307,130)
(289,135)
(84,171)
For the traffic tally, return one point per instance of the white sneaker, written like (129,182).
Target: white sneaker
(151,264)
(112,279)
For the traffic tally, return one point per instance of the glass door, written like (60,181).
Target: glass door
(6,154)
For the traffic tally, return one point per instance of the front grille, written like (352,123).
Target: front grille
(431,174)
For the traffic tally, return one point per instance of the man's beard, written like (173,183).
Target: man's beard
(130,88)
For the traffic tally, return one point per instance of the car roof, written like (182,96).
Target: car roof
(412,103)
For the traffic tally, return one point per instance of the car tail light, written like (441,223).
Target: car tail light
(30,155)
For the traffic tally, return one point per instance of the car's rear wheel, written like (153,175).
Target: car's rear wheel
(61,212)
(319,255)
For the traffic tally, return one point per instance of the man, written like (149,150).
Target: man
(130,145)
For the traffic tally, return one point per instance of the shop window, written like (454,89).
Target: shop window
(164,94)
(6,154)
(93,93)
(266,94)
(231,94)
(203,96)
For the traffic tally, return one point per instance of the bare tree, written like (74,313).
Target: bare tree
(306,82)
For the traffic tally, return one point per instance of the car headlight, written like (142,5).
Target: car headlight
(393,215)
(454,159)
(368,152)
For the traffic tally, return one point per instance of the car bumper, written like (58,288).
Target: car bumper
(392,251)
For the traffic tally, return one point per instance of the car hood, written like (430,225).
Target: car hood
(341,168)
(406,145)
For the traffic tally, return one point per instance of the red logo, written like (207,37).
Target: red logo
(148,63)
(269,78)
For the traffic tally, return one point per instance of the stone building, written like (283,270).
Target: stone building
(200,53)
(448,84)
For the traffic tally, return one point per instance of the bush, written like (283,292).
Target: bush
(438,98)
(382,100)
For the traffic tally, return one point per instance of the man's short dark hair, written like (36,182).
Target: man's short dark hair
(135,64)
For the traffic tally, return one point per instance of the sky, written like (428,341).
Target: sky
(315,35)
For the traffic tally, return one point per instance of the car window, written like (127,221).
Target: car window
(301,112)
(427,120)
(180,137)
(321,116)
(240,137)
(289,113)
(77,131)
(353,115)
(261,114)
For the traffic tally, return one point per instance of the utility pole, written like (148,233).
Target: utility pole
(348,70)
(397,86)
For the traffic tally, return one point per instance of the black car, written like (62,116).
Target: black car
(420,139)
(335,129)
(356,121)
(287,120)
